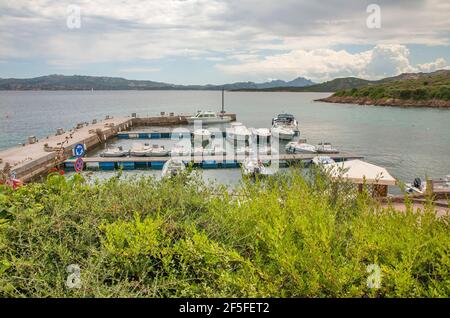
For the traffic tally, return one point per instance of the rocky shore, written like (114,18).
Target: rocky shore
(434,103)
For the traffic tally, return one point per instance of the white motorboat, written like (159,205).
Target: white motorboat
(244,151)
(264,150)
(282,133)
(172,167)
(180,151)
(326,147)
(238,132)
(322,160)
(287,121)
(420,186)
(207,151)
(114,152)
(417,185)
(218,151)
(300,147)
(202,136)
(197,151)
(140,150)
(261,134)
(209,117)
(252,167)
(158,151)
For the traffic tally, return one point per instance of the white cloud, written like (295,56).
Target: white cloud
(439,64)
(140,70)
(249,34)
(325,64)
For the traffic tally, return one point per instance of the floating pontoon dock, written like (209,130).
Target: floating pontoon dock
(164,133)
(225,161)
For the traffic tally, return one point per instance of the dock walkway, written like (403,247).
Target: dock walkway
(30,160)
(206,161)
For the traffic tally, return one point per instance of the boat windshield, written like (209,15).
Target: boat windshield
(205,115)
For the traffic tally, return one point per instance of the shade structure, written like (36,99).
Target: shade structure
(358,171)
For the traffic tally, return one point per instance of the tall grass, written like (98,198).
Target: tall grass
(287,236)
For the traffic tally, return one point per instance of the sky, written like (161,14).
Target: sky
(215,42)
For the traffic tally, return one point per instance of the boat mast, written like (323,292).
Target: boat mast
(223,104)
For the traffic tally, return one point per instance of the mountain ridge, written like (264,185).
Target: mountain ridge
(82,82)
(347,83)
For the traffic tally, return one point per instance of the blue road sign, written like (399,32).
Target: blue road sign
(79,150)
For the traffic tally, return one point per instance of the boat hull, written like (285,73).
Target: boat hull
(219,120)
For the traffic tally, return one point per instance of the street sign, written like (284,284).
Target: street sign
(79,150)
(79,165)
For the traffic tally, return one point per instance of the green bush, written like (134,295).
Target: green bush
(287,236)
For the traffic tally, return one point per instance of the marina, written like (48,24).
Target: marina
(33,159)
(203,148)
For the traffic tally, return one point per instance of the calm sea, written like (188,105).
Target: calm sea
(408,142)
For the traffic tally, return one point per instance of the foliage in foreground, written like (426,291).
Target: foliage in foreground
(288,236)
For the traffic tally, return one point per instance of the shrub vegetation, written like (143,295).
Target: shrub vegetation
(287,236)
(422,88)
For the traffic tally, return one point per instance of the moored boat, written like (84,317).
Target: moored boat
(286,120)
(202,136)
(180,151)
(172,167)
(264,150)
(218,151)
(261,134)
(300,147)
(140,150)
(326,147)
(253,167)
(244,151)
(114,152)
(238,132)
(158,151)
(282,133)
(322,160)
(209,117)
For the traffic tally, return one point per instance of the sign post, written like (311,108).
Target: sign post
(79,165)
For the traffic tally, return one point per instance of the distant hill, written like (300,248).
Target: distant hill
(329,86)
(345,83)
(78,82)
(407,90)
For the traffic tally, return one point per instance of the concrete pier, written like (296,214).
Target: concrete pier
(31,160)
(168,120)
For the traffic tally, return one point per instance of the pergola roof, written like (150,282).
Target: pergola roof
(358,171)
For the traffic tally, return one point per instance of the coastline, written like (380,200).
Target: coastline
(434,103)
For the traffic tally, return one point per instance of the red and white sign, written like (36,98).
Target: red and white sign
(79,165)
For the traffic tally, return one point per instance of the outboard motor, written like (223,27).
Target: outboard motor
(417,183)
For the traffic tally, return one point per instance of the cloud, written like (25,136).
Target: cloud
(279,37)
(325,64)
(140,70)
(439,64)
